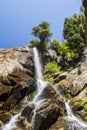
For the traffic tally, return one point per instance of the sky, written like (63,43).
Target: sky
(18,17)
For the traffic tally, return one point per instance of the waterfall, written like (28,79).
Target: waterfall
(41,84)
(73,123)
(37,63)
(12,123)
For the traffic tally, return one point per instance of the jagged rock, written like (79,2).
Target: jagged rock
(17,94)
(51,55)
(1,123)
(81,113)
(77,82)
(46,114)
(63,88)
(23,124)
(48,93)
(59,124)
(16,73)
(5,117)
(78,105)
(60,77)
(28,112)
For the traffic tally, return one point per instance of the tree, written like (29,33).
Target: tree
(55,45)
(74,32)
(33,43)
(64,49)
(42,33)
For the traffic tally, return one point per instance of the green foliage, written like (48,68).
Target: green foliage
(85,107)
(42,33)
(47,78)
(55,45)
(79,69)
(31,96)
(64,49)
(33,43)
(52,68)
(81,100)
(60,83)
(67,93)
(85,118)
(73,32)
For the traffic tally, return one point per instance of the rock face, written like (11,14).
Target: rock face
(17,82)
(16,77)
(46,115)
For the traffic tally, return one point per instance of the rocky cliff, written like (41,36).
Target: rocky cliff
(18,84)
(16,75)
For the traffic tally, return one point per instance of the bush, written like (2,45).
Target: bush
(52,68)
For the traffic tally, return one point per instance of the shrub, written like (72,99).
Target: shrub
(52,68)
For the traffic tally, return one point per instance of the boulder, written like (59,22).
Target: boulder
(60,77)
(59,124)
(28,112)
(46,114)
(79,106)
(48,93)
(5,117)
(23,124)
(16,74)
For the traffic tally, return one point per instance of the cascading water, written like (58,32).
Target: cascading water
(37,64)
(12,123)
(39,75)
(73,123)
(41,84)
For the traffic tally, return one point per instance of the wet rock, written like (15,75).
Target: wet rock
(23,124)
(5,117)
(17,94)
(79,106)
(59,124)
(16,69)
(46,114)
(5,92)
(28,112)
(48,93)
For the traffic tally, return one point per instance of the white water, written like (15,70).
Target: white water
(72,121)
(41,84)
(38,68)
(12,123)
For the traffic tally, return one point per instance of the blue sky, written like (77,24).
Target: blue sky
(17,17)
